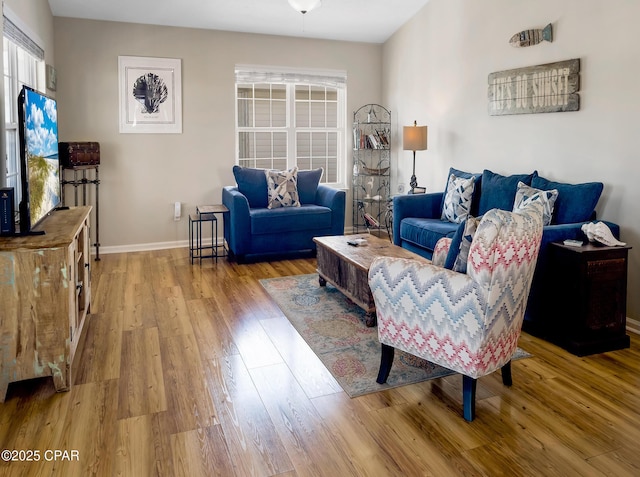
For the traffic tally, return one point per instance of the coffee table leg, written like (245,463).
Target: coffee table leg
(322,281)
(370,319)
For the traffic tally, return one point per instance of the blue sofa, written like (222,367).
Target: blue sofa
(417,223)
(254,231)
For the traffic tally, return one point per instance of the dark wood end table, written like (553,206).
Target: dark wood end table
(590,292)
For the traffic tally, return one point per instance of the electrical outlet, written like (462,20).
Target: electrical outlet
(177,213)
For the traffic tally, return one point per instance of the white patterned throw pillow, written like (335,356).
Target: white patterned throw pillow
(457,201)
(527,194)
(283,188)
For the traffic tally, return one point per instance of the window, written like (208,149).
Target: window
(289,118)
(23,64)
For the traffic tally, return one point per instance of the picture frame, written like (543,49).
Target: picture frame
(51,77)
(150,91)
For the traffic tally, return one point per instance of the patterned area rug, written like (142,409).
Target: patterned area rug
(333,326)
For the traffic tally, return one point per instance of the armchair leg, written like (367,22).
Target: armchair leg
(506,374)
(469,397)
(386,360)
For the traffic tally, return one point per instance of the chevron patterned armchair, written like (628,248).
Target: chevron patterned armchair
(469,323)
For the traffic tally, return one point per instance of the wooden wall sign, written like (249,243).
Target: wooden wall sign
(546,88)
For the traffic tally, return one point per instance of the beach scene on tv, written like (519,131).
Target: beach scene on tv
(41,121)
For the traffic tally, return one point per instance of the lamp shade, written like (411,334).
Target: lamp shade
(414,138)
(304,6)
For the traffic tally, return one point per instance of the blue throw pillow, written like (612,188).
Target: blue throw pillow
(454,248)
(458,254)
(282,188)
(457,200)
(575,202)
(527,194)
(308,181)
(499,192)
(476,187)
(460,265)
(252,183)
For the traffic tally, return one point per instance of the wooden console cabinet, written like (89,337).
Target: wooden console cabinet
(590,295)
(45,296)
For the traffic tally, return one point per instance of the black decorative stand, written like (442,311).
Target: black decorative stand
(80,179)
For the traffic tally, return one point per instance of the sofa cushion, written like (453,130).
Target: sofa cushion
(575,202)
(425,232)
(289,219)
(499,192)
(457,199)
(308,181)
(252,183)
(527,194)
(282,187)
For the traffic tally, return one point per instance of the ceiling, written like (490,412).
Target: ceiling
(371,21)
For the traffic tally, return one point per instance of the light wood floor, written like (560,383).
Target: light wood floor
(192,370)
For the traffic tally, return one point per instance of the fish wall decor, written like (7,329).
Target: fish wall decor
(531,37)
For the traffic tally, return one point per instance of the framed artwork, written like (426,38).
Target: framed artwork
(150,95)
(52,78)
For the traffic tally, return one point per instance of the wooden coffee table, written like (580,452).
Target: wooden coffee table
(347,267)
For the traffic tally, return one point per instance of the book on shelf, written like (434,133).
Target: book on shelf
(377,140)
(370,220)
(382,136)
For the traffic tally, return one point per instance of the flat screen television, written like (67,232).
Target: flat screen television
(39,167)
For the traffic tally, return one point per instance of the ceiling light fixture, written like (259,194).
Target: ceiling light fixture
(304,6)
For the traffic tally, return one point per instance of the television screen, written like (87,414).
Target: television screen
(38,123)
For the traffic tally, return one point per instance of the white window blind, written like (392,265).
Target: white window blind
(267,74)
(17,36)
(23,59)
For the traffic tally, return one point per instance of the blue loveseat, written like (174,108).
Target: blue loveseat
(254,231)
(418,223)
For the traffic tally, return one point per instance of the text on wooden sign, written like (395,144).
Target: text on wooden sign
(548,88)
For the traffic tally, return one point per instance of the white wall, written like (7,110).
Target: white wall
(435,71)
(142,175)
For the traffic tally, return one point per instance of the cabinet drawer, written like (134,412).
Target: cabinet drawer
(613,267)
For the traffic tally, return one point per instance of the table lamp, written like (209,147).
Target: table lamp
(414,138)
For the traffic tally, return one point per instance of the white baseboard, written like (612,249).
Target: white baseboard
(633,326)
(142,247)
(145,247)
